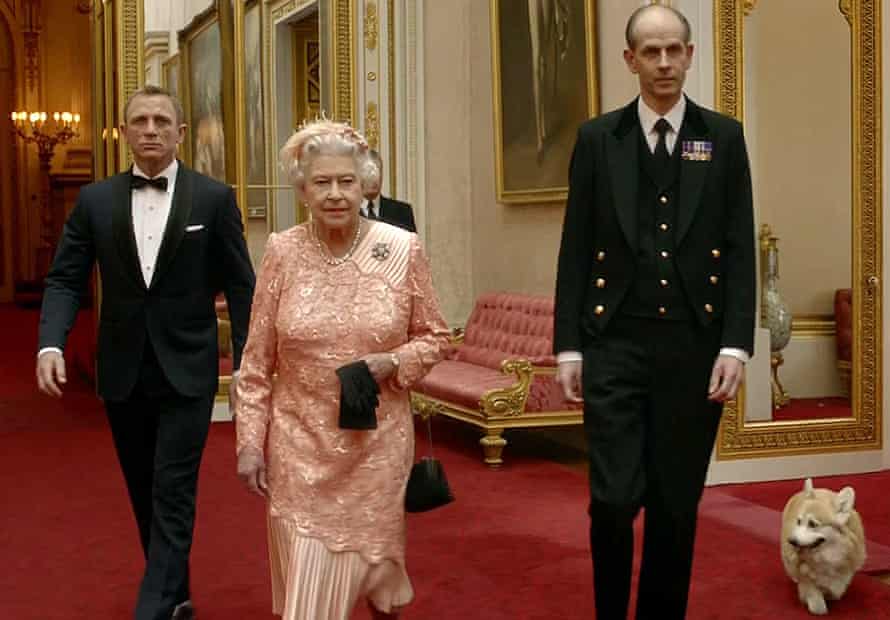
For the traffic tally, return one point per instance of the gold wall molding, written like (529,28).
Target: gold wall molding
(344,60)
(862,431)
(371,26)
(750,5)
(130,58)
(391,77)
(372,126)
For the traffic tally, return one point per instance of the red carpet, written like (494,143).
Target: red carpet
(512,547)
(814,409)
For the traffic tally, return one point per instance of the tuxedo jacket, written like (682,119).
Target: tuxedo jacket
(397,213)
(714,240)
(203,252)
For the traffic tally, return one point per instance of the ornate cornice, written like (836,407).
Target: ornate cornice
(846,9)
(283,10)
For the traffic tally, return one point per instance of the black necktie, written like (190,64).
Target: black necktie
(138,182)
(661,151)
(371,214)
(661,156)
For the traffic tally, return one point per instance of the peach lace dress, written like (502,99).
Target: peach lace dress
(336,509)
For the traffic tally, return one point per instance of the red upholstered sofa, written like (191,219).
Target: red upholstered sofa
(501,372)
(843,321)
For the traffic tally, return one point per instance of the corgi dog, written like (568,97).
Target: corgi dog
(823,544)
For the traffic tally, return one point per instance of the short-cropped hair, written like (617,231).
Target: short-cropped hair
(150,90)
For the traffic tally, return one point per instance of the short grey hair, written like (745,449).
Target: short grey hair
(324,137)
(150,90)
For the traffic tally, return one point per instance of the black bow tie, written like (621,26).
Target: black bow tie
(138,182)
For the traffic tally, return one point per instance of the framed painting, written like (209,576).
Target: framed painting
(254,117)
(202,85)
(171,76)
(546,90)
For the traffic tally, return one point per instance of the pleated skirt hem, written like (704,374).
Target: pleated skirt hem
(311,582)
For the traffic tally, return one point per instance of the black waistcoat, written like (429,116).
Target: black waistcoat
(656,291)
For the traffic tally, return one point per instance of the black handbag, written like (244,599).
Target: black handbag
(427,485)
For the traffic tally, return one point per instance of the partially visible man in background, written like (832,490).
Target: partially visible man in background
(376,206)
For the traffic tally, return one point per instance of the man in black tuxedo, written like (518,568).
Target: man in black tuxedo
(166,240)
(655,307)
(375,206)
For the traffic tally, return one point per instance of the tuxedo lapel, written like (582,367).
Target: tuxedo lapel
(122,226)
(180,210)
(692,173)
(622,152)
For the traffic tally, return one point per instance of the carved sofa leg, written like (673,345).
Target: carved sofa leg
(493,446)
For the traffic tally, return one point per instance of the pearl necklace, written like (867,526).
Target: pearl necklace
(326,254)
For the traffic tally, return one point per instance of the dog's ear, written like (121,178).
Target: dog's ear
(808,488)
(843,503)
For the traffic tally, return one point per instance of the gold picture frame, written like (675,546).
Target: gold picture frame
(170,70)
(254,115)
(539,100)
(209,137)
(863,431)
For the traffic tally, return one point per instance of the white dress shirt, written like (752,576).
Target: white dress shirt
(648,118)
(151,208)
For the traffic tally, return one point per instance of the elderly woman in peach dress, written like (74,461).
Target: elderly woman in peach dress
(330,292)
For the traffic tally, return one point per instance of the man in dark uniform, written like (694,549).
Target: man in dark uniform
(655,309)
(166,240)
(376,206)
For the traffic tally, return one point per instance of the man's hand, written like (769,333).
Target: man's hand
(568,375)
(252,471)
(726,377)
(51,373)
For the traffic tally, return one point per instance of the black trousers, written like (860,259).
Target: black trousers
(159,437)
(650,430)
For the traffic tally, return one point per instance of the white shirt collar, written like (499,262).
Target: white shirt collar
(169,172)
(648,116)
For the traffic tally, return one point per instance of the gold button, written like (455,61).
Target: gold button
(709,308)
(601,256)
(663,199)
(599,310)
(663,283)
(662,310)
(715,253)
(665,254)
(714,279)
(601,283)
(664,227)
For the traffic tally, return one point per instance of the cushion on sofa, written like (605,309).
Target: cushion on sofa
(508,326)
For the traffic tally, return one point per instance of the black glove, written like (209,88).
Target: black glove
(358,397)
